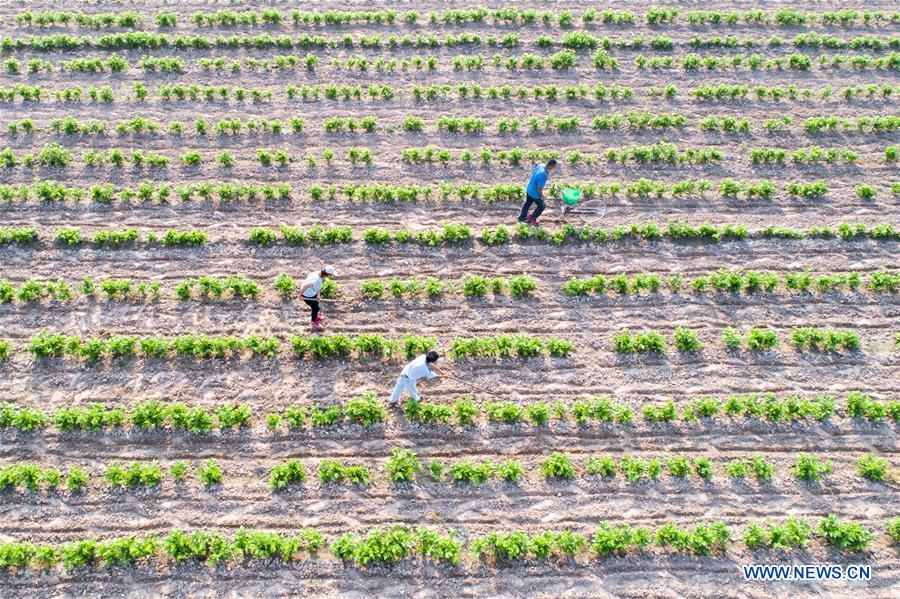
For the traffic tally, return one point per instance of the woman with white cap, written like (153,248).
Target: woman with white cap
(310,289)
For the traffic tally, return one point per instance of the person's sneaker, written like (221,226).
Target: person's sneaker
(317,326)
(320,318)
(522,220)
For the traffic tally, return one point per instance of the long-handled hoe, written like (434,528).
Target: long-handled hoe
(474,387)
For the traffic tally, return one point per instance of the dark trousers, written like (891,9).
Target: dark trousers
(539,207)
(314,304)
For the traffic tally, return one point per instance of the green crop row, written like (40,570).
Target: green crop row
(810,155)
(675,230)
(470,62)
(573,40)
(137,474)
(660,152)
(504,346)
(374,92)
(473,286)
(806,41)
(818,339)
(756,339)
(387,17)
(472,125)
(53,18)
(402,466)
(174,547)
(522,286)
(562,60)
(207,287)
(365,410)
(463,92)
(399,542)
(501,346)
(754,62)
(731,281)
(142,415)
(124,347)
(503,15)
(775,93)
(109,238)
(293,235)
(51,191)
(452,234)
(32,477)
(405,466)
(54,155)
(570,40)
(551,92)
(212,287)
(457,234)
(164,193)
(601,409)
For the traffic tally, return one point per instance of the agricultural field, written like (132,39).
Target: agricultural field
(703,376)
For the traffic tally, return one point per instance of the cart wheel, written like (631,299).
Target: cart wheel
(593,211)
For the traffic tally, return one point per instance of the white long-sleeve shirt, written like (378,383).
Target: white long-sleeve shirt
(314,280)
(417,369)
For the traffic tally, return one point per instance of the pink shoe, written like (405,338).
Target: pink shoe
(317,326)
(320,318)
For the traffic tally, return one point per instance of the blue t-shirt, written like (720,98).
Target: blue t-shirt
(537,181)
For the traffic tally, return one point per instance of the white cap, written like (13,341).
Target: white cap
(330,270)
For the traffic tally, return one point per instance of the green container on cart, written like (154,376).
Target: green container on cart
(570,195)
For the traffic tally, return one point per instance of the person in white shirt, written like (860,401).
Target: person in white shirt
(423,366)
(310,289)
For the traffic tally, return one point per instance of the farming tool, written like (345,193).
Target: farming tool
(588,211)
(342,303)
(350,303)
(474,387)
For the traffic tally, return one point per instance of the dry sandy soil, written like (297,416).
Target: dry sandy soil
(269,385)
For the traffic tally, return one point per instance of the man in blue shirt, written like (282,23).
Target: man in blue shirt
(534,193)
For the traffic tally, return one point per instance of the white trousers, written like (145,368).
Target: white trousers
(407,384)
